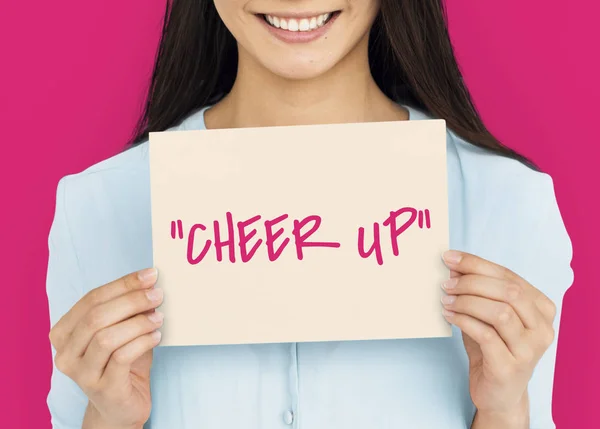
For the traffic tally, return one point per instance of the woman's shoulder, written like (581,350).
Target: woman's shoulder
(130,159)
(497,175)
(121,169)
(115,178)
(488,176)
(507,211)
(503,195)
(503,198)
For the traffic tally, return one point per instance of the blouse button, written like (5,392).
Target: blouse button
(288,417)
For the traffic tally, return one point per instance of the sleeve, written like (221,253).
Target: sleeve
(548,268)
(66,401)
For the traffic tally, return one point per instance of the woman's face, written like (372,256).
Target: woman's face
(298,39)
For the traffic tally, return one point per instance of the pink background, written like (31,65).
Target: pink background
(72,75)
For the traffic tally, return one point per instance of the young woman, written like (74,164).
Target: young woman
(247,63)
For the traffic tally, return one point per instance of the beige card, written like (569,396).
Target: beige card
(303,233)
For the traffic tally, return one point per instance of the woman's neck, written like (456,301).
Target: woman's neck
(346,93)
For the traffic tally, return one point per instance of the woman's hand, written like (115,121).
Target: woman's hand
(507,327)
(104,344)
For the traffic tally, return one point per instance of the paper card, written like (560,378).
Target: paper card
(300,233)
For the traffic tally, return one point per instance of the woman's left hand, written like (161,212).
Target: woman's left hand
(506,325)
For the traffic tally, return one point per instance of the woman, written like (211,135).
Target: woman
(247,63)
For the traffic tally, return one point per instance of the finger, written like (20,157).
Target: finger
(64,328)
(546,306)
(454,274)
(521,299)
(492,346)
(108,340)
(111,312)
(494,313)
(119,365)
(466,263)
(67,363)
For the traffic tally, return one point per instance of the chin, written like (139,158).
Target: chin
(298,70)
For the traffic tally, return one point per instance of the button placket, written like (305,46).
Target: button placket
(290,417)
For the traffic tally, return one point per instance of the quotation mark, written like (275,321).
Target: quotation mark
(427,219)
(177,229)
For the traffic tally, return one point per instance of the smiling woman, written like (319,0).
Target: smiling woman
(251,63)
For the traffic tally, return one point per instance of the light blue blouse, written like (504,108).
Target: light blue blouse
(499,210)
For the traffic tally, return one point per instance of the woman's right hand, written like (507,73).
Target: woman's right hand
(104,344)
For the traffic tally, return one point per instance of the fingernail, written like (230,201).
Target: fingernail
(156,317)
(448,299)
(156,335)
(148,275)
(447,313)
(155,294)
(450,283)
(452,257)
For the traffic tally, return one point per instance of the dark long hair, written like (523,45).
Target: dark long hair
(410,55)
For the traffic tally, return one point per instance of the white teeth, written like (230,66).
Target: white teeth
(304,24)
(292,25)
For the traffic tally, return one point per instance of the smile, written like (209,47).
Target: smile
(298,28)
(299,24)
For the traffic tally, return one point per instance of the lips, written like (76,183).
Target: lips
(298,28)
